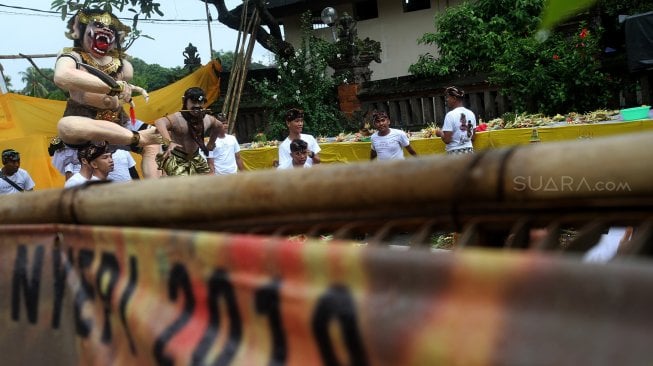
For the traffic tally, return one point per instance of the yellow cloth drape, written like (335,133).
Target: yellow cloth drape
(347,152)
(28,124)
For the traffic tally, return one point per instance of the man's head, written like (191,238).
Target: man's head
(454,95)
(98,156)
(97,31)
(381,121)
(193,100)
(295,120)
(10,161)
(298,152)
(194,96)
(224,123)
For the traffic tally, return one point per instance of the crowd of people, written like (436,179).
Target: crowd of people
(96,75)
(13,178)
(96,136)
(184,151)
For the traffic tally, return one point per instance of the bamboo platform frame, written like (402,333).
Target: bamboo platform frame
(479,196)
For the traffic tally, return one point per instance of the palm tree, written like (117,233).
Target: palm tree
(7,79)
(34,83)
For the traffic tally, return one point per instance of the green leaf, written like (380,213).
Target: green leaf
(556,11)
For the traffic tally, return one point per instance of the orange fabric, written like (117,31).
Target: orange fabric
(138,296)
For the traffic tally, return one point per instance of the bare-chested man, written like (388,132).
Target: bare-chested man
(183,136)
(96,76)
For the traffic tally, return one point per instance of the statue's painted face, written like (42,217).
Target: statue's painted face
(99,39)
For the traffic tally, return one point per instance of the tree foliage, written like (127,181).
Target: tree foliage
(302,82)
(227,60)
(268,32)
(498,39)
(154,77)
(471,35)
(558,75)
(33,83)
(7,79)
(614,8)
(558,10)
(145,8)
(39,84)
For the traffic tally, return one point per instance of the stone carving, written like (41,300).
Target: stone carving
(192,59)
(352,55)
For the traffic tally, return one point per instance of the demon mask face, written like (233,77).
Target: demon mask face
(99,38)
(96,31)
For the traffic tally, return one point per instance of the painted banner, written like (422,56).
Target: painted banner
(127,296)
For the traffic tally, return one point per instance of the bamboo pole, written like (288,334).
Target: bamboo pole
(208,26)
(42,55)
(243,71)
(240,72)
(487,184)
(234,81)
(226,107)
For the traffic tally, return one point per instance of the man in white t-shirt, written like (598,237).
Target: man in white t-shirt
(388,143)
(295,122)
(96,161)
(616,240)
(225,157)
(13,178)
(298,155)
(63,158)
(609,244)
(124,167)
(459,123)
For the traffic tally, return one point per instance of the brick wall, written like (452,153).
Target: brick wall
(348,99)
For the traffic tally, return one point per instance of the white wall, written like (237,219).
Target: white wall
(397,32)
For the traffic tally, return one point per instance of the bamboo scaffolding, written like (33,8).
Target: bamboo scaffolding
(208,27)
(242,59)
(441,190)
(235,66)
(20,55)
(243,72)
(29,59)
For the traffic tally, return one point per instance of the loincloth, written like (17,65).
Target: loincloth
(117,116)
(179,163)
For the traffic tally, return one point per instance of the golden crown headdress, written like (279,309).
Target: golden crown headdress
(84,16)
(104,18)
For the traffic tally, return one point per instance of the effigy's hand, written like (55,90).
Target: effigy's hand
(127,90)
(142,92)
(123,91)
(126,95)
